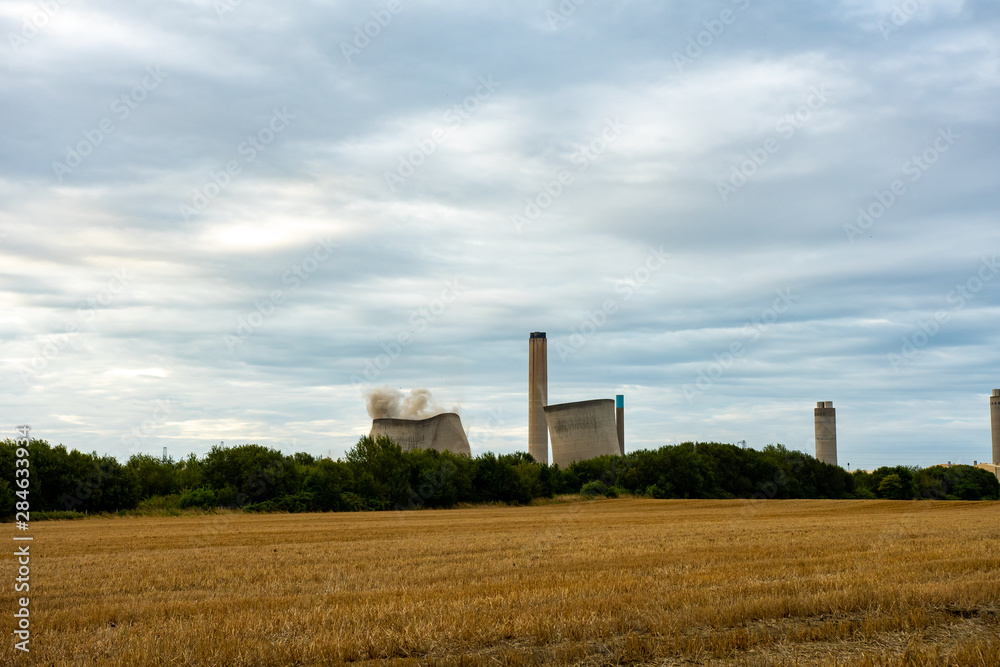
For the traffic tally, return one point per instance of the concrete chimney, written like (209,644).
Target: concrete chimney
(620,421)
(826,432)
(995,423)
(538,397)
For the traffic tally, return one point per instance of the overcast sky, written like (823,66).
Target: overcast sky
(215,216)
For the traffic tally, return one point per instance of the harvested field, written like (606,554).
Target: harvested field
(647,582)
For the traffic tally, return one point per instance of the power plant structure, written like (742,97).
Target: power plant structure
(620,420)
(826,432)
(582,430)
(538,396)
(442,432)
(578,431)
(995,424)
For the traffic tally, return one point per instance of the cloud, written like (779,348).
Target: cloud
(229,315)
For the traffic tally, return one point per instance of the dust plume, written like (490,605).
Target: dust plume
(389,403)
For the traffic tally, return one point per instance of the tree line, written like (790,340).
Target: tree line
(377,474)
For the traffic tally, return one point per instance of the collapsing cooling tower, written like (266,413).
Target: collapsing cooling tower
(442,432)
(582,430)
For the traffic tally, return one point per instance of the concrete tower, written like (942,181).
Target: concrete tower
(442,432)
(995,422)
(582,430)
(620,422)
(538,396)
(826,432)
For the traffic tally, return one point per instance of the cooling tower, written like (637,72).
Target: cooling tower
(538,396)
(995,423)
(620,422)
(582,430)
(442,432)
(826,432)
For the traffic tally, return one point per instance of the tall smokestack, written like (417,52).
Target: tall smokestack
(620,421)
(538,396)
(995,422)
(826,432)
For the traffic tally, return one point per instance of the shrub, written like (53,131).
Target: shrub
(200,497)
(171,501)
(293,502)
(595,488)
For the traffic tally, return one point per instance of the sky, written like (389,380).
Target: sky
(227,220)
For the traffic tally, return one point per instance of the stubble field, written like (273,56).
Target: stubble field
(605,582)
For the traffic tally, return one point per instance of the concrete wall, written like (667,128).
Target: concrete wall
(620,422)
(582,430)
(995,422)
(991,467)
(442,432)
(826,432)
(538,396)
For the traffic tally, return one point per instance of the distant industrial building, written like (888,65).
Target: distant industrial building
(577,431)
(995,423)
(989,467)
(826,432)
(442,432)
(582,430)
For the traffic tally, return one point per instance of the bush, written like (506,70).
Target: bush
(891,487)
(171,501)
(654,491)
(295,502)
(200,497)
(228,496)
(58,515)
(595,488)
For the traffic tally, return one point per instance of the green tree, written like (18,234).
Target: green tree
(154,476)
(891,487)
(257,473)
(381,472)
